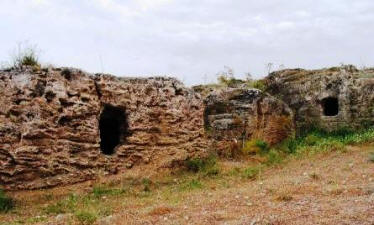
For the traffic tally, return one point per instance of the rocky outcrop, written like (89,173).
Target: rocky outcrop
(61,126)
(339,97)
(234,115)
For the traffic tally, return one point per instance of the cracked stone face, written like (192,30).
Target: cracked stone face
(235,115)
(335,98)
(62,126)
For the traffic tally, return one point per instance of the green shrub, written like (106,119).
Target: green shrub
(311,139)
(273,157)
(229,81)
(6,203)
(29,60)
(195,165)
(26,55)
(264,147)
(207,165)
(251,173)
(86,218)
(255,146)
(258,84)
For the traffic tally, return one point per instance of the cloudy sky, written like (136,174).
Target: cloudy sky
(191,39)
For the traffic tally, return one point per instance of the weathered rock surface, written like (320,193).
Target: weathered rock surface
(61,126)
(332,98)
(234,115)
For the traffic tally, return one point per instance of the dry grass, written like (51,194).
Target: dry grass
(160,211)
(333,188)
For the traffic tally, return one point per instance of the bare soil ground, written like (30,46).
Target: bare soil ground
(326,188)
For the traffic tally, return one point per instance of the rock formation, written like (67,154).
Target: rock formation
(335,98)
(234,115)
(61,126)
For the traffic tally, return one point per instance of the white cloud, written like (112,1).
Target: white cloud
(151,4)
(190,38)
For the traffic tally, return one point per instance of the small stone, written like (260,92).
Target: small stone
(62,217)
(128,165)
(237,196)
(106,220)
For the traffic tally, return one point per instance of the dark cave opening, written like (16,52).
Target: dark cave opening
(330,106)
(113,127)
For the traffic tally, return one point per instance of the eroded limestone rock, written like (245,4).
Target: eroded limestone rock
(50,120)
(234,115)
(331,99)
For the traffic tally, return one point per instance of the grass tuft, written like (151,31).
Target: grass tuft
(207,166)
(6,203)
(255,146)
(284,197)
(100,191)
(250,173)
(86,218)
(191,185)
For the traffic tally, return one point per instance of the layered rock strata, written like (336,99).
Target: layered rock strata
(62,126)
(331,99)
(235,115)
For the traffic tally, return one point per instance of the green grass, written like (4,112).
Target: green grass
(314,141)
(254,146)
(27,55)
(29,60)
(250,173)
(86,218)
(67,205)
(191,185)
(318,141)
(206,166)
(258,84)
(6,203)
(100,191)
(201,173)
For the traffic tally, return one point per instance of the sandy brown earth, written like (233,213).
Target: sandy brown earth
(329,188)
